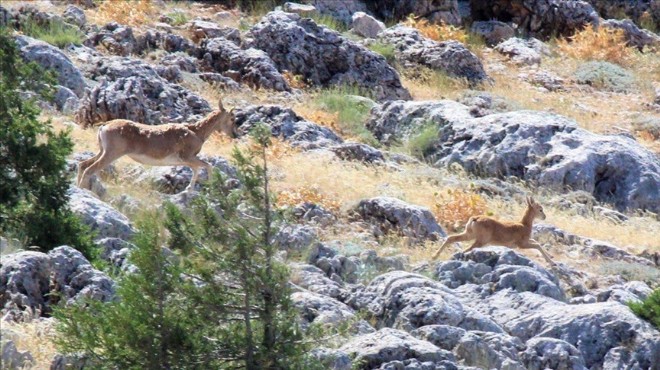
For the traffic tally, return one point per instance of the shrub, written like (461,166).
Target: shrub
(454,208)
(649,309)
(54,32)
(438,32)
(386,50)
(178,18)
(605,75)
(631,271)
(307,193)
(421,142)
(330,22)
(33,183)
(352,112)
(604,44)
(128,12)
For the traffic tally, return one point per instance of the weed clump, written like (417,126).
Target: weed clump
(455,207)
(54,32)
(603,44)
(605,76)
(351,109)
(649,309)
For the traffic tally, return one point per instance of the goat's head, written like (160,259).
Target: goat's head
(225,121)
(536,208)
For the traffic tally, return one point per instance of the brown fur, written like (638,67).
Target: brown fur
(489,231)
(163,145)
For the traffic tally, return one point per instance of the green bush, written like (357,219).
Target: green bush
(33,183)
(54,32)
(605,76)
(330,22)
(352,111)
(178,18)
(420,142)
(386,50)
(649,309)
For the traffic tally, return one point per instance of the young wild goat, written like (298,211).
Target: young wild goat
(488,231)
(162,145)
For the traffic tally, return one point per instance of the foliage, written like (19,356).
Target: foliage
(386,50)
(294,80)
(421,142)
(329,21)
(603,43)
(649,309)
(148,326)
(605,75)
(54,32)
(438,32)
(455,207)
(306,193)
(228,243)
(178,18)
(33,184)
(352,112)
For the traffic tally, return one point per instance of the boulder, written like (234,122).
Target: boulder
(295,237)
(104,220)
(370,351)
(538,18)
(51,58)
(75,15)
(331,359)
(483,103)
(342,10)
(300,9)
(490,351)
(391,214)
(451,57)
(209,30)
(313,213)
(181,60)
(313,279)
(174,179)
(549,353)
(12,358)
(316,309)
(131,89)
(409,301)
(635,36)
(446,337)
(322,56)
(493,32)
(287,125)
(366,26)
(358,152)
(637,10)
(253,66)
(524,52)
(36,281)
(116,38)
(435,11)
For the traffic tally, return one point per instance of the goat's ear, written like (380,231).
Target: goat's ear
(220,105)
(529,200)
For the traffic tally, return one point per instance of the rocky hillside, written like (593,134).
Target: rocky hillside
(394,122)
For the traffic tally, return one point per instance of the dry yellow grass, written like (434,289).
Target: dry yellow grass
(438,32)
(35,336)
(597,44)
(128,12)
(453,208)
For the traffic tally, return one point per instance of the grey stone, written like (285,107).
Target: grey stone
(209,30)
(635,36)
(117,39)
(181,60)
(451,57)
(316,309)
(341,10)
(24,281)
(174,179)
(295,237)
(51,58)
(300,9)
(75,15)
(313,279)
(366,25)
(287,125)
(12,358)
(254,67)
(332,359)
(493,32)
(323,56)
(358,152)
(314,213)
(549,353)
(74,278)
(391,214)
(104,220)
(490,350)
(435,11)
(446,337)
(385,345)
(523,51)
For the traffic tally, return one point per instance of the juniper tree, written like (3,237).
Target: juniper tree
(33,183)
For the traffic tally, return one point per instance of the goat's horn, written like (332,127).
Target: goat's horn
(220,104)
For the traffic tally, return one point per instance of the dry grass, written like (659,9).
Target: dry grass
(294,80)
(437,32)
(597,44)
(128,12)
(453,208)
(35,336)
(427,84)
(308,193)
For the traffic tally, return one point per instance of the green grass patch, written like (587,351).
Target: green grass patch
(330,22)
(352,111)
(649,309)
(385,50)
(632,272)
(178,18)
(54,32)
(419,143)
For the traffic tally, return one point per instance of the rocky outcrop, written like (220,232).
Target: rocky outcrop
(538,18)
(493,32)
(451,57)
(322,56)
(435,11)
(544,148)
(316,309)
(638,10)
(366,26)
(36,281)
(358,152)
(391,214)
(75,15)
(51,58)
(252,67)
(131,89)
(635,36)
(287,125)
(210,30)
(102,219)
(174,179)
(341,10)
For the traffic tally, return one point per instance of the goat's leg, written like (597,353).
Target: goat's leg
(82,166)
(195,163)
(476,244)
(102,162)
(533,244)
(452,239)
